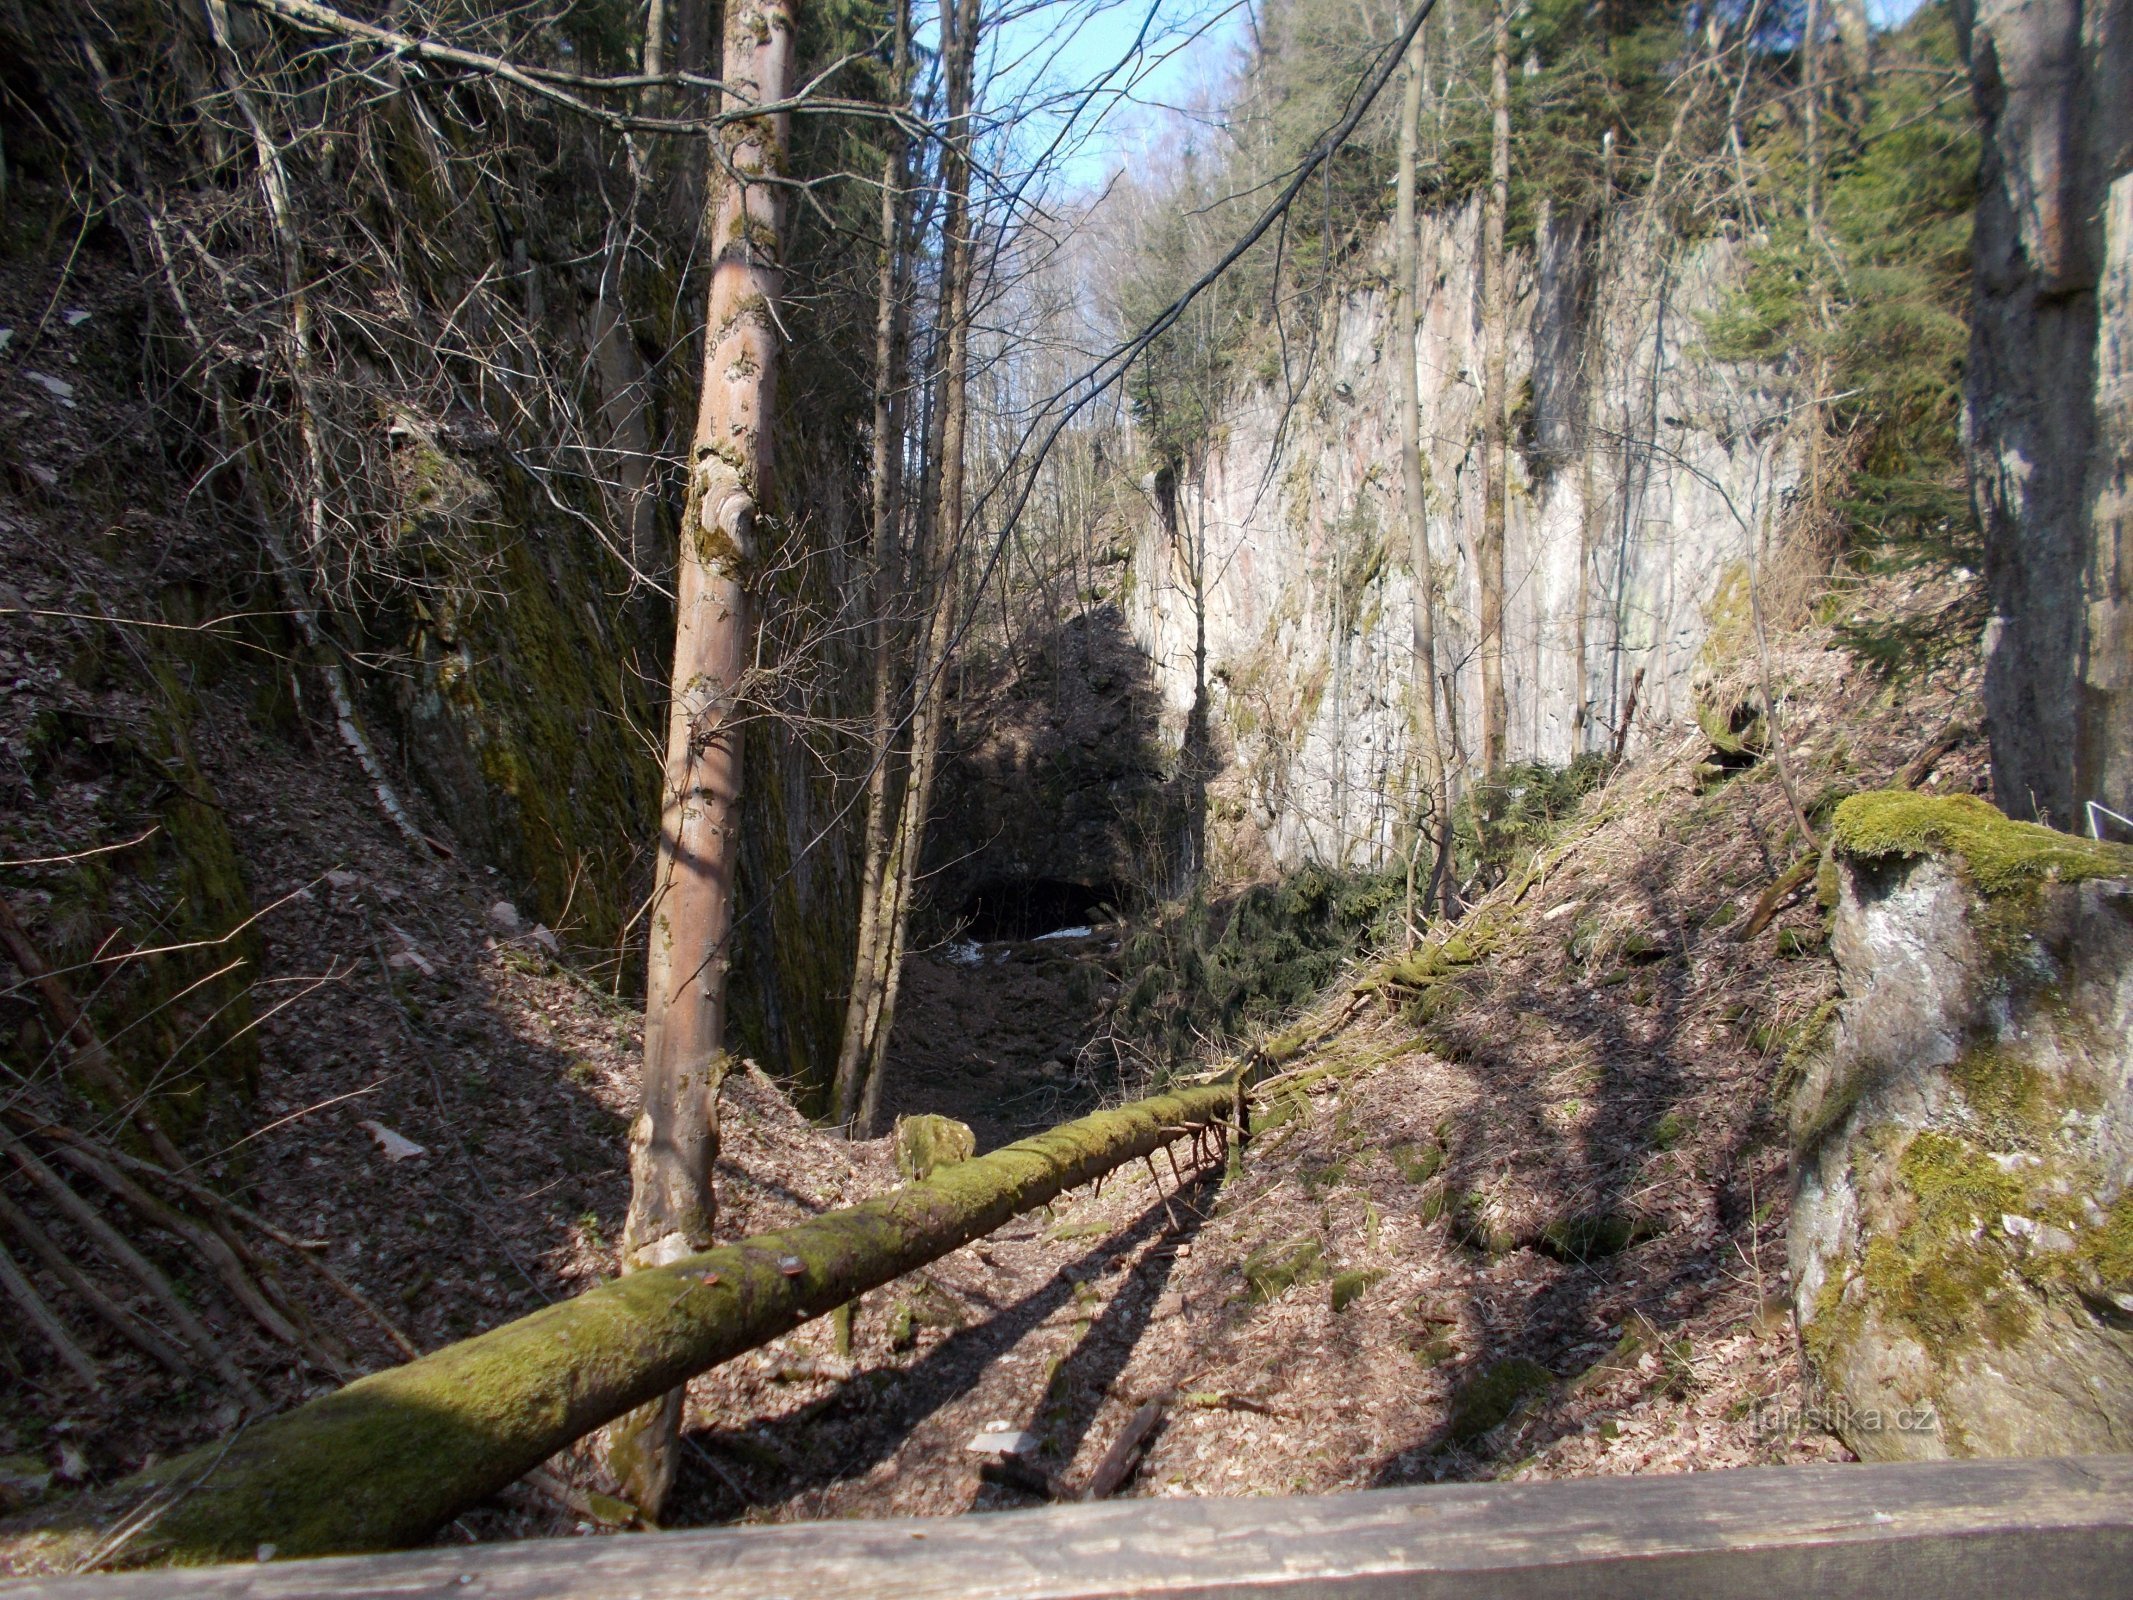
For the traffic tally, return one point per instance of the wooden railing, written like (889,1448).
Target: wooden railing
(1945,1530)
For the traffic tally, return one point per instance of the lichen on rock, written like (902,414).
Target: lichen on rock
(1962,1229)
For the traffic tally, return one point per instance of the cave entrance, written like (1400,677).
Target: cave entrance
(1028,908)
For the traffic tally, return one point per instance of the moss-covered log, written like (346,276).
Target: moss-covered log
(384,1462)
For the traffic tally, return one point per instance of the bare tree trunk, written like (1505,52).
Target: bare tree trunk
(1408,311)
(674,1141)
(959,32)
(1495,336)
(861,1005)
(655,38)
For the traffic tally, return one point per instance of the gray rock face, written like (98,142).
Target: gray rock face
(2050,412)
(1962,1227)
(1271,584)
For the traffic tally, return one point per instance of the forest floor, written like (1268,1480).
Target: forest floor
(1536,1232)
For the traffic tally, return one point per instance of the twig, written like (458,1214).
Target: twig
(1767,907)
(43,1318)
(117,1316)
(303,1249)
(227,1261)
(108,1239)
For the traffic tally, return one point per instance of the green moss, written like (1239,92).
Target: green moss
(926,1143)
(1417,1163)
(1793,943)
(1274,1268)
(1996,856)
(1935,1272)
(1834,1325)
(1591,1237)
(1487,1401)
(1803,1045)
(1465,948)
(1318,1180)
(1432,1349)
(2009,1097)
(1668,1130)
(2108,1250)
(1350,1285)
(1474,1225)
(1284,1109)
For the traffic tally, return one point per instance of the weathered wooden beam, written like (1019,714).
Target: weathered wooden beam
(1950,1530)
(384,1462)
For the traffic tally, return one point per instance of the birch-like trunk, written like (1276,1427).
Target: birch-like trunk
(1495,398)
(674,1141)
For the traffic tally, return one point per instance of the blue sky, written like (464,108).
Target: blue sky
(1149,55)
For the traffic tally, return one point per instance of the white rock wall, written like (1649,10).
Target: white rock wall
(1309,676)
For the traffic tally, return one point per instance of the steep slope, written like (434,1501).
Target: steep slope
(1518,1210)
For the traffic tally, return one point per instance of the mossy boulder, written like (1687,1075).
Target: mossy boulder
(1964,1138)
(926,1143)
(1995,855)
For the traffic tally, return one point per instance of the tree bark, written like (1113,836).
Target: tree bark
(1415,487)
(959,32)
(386,1461)
(854,1048)
(1495,398)
(674,1141)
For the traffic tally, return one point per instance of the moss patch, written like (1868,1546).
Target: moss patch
(1592,1237)
(1349,1286)
(1417,1163)
(2009,1097)
(2109,1249)
(1936,1273)
(1487,1401)
(1273,1268)
(1996,856)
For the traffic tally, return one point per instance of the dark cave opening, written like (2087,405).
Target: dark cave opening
(1025,908)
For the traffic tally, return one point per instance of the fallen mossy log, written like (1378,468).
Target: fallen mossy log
(384,1462)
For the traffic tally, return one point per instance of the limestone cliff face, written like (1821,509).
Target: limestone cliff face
(2051,397)
(1275,577)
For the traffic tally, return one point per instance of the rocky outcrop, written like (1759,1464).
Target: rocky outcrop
(2051,397)
(1272,577)
(1962,1226)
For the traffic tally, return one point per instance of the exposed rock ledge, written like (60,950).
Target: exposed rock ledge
(1962,1231)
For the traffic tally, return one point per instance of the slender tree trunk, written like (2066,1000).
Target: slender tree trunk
(959,32)
(1414,486)
(886,510)
(655,38)
(674,1141)
(1495,399)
